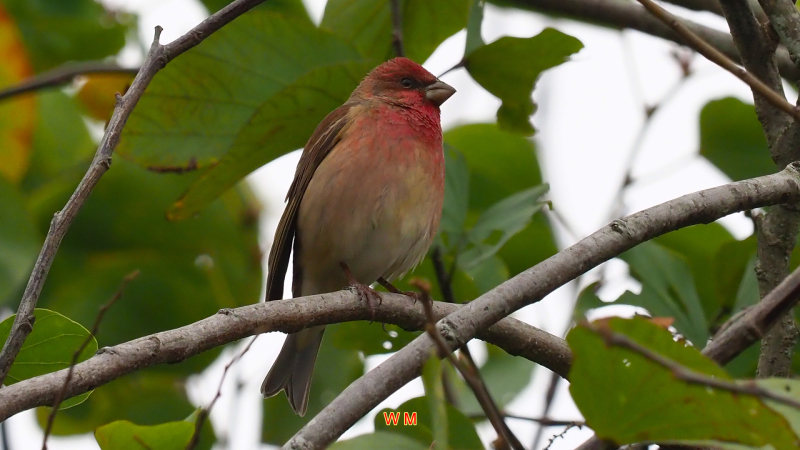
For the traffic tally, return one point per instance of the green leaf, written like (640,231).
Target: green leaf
(19,241)
(628,398)
(146,397)
(379,439)
(732,139)
(456,193)
(509,67)
(49,348)
(57,31)
(368,25)
(289,8)
(369,337)
(335,369)
(474,38)
(748,289)
(189,270)
(504,375)
(489,273)
(667,289)
(459,428)
(124,435)
(510,167)
(729,268)
(700,245)
(587,300)
(498,224)
(434,392)
(280,125)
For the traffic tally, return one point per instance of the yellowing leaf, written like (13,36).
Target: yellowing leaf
(17,115)
(98,94)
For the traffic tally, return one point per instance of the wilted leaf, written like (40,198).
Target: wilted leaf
(124,435)
(626,397)
(509,67)
(732,139)
(98,93)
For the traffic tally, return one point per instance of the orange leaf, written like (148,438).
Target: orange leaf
(98,94)
(18,114)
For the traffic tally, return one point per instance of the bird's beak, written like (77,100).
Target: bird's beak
(439,92)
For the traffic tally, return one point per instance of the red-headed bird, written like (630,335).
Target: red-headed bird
(365,203)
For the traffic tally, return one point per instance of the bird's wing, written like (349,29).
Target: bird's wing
(325,137)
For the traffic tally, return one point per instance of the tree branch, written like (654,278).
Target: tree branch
(158,57)
(288,316)
(397,28)
(63,75)
(533,284)
(628,15)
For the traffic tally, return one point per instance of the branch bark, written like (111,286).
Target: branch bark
(533,284)
(288,316)
(158,57)
(628,15)
(63,75)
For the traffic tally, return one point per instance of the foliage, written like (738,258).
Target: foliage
(174,206)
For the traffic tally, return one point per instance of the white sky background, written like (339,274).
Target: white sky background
(590,111)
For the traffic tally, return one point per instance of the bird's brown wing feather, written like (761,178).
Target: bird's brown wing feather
(325,137)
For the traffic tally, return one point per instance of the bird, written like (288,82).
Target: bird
(364,204)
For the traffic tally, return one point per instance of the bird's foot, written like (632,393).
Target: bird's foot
(393,289)
(367,294)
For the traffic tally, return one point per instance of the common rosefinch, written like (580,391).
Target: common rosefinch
(365,203)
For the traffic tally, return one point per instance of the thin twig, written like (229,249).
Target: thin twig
(442,276)
(718,58)
(202,415)
(548,403)
(63,75)
(563,433)
(92,334)
(397,28)
(543,421)
(469,371)
(157,58)
(687,375)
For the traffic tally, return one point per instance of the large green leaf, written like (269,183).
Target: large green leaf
(335,369)
(19,241)
(460,430)
(50,347)
(146,398)
(700,245)
(58,31)
(368,25)
(732,139)
(502,164)
(189,270)
(474,22)
(379,439)
(125,435)
(509,67)
(456,192)
(626,397)
(282,123)
(292,8)
(498,224)
(667,289)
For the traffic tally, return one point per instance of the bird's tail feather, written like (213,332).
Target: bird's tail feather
(294,367)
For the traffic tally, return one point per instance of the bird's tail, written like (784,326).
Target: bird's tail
(294,367)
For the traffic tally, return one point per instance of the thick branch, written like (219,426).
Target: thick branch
(533,284)
(288,316)
(628,15)
(158,56)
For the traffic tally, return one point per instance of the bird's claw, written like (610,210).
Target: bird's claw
(368,295)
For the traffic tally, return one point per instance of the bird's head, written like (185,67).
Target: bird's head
(403,82)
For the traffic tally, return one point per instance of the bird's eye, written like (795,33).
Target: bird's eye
(407,82)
